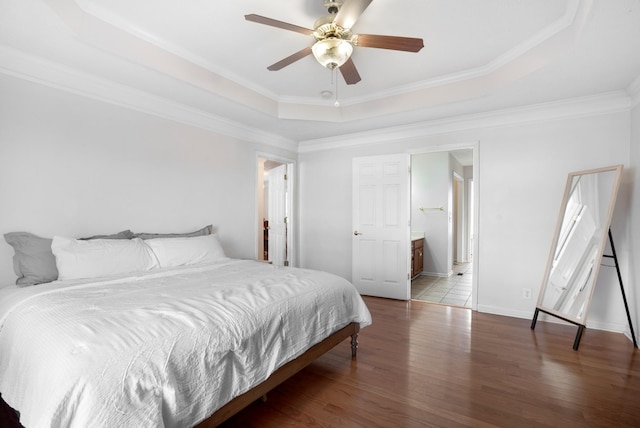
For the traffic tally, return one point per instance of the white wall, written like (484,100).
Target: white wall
(74,166)
(521,175)
(632,284)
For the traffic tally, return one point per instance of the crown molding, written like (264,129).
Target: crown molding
(35,69)
(609,102)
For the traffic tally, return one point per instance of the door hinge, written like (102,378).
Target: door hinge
(286,177)
(286,220)
(286,262)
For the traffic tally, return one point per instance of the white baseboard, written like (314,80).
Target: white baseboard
(595,325)
(437,274)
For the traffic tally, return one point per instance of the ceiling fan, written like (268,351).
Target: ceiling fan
(334,40)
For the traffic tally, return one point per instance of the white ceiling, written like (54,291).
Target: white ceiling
(206,58)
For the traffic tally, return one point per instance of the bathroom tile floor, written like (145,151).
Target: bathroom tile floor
(454,290)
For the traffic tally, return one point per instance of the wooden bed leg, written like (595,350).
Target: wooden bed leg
(354,345)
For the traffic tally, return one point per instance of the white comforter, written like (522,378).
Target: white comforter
(160,349)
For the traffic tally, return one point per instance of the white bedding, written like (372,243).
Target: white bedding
(165,348)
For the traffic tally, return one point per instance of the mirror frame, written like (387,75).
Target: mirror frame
(601,246)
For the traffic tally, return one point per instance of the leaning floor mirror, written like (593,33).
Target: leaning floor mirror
(578,245)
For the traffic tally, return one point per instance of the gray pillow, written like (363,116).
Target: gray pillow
(34,262)
(125,234)
(207,230)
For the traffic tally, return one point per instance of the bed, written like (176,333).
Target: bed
(167,345)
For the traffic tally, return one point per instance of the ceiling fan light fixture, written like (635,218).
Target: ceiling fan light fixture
(332,52)
(335,41)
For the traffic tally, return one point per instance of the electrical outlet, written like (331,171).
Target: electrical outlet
(526,293)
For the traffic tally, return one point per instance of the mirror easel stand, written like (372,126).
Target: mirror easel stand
(581,327)
(624,296)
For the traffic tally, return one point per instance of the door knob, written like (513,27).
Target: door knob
(356,233)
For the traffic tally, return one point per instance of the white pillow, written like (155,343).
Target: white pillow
(172,252)
(101,257)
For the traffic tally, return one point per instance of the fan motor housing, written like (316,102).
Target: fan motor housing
(328,30)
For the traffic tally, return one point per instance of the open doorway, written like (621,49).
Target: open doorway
(442,214)
(275,190)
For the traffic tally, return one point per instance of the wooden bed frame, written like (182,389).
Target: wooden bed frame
(282,374)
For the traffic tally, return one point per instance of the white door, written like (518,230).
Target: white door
(381,230)
(277,215)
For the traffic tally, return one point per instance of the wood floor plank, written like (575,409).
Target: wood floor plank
(428,365)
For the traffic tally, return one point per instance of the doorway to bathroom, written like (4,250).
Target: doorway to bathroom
(443,211)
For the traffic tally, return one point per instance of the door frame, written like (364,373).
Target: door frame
(475,147)
(292,224)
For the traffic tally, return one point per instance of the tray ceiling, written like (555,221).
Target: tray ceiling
(203,55)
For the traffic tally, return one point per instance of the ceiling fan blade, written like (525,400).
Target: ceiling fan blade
(350,11)
(408,44)
(278,24)
(290,59)
(350,73)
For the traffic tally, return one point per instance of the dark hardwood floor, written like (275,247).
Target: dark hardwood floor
(427,365)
